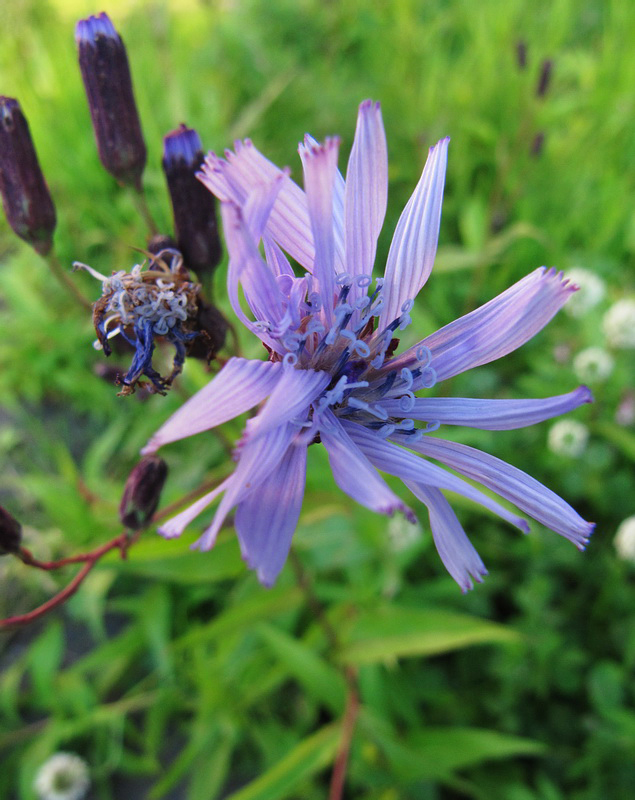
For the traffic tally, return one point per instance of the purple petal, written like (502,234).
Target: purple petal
(258,459)
(246,169)
(276,259)
(489,415)
(457,552)
(239,386)
(320,166)
(366,191)
(247,268)
(292,396)
(176,525)
(496,328)
(267,518)
(405,465)
(354,474)
(414,244)
(511,483)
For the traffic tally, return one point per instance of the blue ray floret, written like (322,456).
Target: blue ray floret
(333,374)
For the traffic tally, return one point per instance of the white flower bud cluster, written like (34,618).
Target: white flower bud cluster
(619,324)
(591,290)
(63,777)
(568,438)
(594,364)
(625,539)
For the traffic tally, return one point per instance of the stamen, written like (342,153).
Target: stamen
(407,402)
(386,430)
(428,377)
(407,305)
(431,427)
(290,360)
(343,279)
(364,280)
(423,354)
(406,377)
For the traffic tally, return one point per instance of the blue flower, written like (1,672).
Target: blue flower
(332,374)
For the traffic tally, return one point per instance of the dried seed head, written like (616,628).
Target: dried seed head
(25,196)
(193,206)
(106,73)
(142,492)
(10,533)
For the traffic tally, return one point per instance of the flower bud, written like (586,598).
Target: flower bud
(106,74)
(142,492)
(544,79)
(25,195)
(10,533)
(193,206)
(521,54)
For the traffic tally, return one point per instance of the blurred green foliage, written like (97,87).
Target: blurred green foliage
(174,674)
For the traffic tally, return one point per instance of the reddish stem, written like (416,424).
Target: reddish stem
(338,778)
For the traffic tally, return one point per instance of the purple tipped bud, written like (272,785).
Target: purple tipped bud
(521,53)
(10,533)
(538,144)
(544,80)
(193,206)
(106,74)
(25,195)
(142,492)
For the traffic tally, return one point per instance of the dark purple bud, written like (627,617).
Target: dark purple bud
(160,242)
(521,53)
(212,328)
(142,492)
(10,533)
(25,196)
(106,74)
(193,206)
(544,80)
(538,144)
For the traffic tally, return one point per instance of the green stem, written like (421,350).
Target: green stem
(64,278)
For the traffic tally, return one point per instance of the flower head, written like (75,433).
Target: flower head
(63,777)
(333,375)
(141,305)
(593,364)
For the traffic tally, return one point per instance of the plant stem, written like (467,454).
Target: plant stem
(65,279)
(144,210)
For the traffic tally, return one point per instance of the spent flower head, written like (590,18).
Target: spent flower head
(143,304)
(333,375)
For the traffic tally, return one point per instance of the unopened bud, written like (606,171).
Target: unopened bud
(212,327)
(106,74)
(538,144)
(10,533)
(142,492)
(544,80)
(521,53)
(25,196)
(193,206)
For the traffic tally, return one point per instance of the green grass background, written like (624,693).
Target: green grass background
(175,675)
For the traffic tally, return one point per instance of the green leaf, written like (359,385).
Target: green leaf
(390,632)
(307,758)
(438,752)
(319,678)
(173,561)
